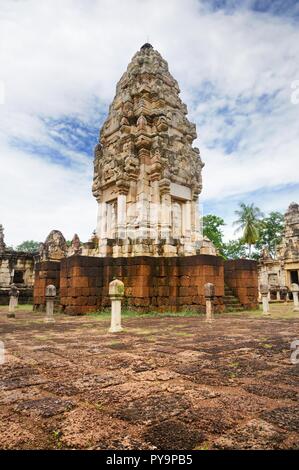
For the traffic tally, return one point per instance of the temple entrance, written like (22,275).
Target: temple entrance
(18,277)
(294,277)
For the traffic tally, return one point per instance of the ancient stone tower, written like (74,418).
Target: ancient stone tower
(147,175)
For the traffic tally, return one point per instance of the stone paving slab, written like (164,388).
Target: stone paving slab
(164,383)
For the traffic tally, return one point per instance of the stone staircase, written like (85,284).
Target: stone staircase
(231,302)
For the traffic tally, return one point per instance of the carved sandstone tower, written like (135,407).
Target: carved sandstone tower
(147,175)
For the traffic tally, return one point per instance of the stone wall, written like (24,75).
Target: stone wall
(46,272)
(12,262)
(242,277)
(16,267)
(159,284)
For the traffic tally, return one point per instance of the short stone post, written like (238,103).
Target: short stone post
(295,290)
(116,293)
(283,293)
(50,298)
(13,300)
(264,289)
(209,296)
(278,294)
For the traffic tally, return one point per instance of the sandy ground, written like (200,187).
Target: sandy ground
(170,383)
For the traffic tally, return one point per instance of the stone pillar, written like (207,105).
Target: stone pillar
(295,290)
(209,296)
(131,209)
(103,220)
(116,293)
(278,295)
(99,219)
(143,196)
(165,221)
(264,289)
(155,209)
(50,298)
(13,301)
(187,219)
(121,215)
(195,220)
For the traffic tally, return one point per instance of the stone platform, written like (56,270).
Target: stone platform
(151,284)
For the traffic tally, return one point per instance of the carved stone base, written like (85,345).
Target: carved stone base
(146,247)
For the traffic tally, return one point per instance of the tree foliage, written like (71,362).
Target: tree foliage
(212,229)
(258,232)
(270,232)
(29,246)
(234,249)
(249,221)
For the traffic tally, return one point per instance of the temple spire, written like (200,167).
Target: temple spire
(147,174)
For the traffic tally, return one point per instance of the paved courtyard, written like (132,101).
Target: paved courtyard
(164,383)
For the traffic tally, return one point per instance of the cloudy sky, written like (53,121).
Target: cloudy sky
(235,61)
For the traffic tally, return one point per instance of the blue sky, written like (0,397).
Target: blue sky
(235,62)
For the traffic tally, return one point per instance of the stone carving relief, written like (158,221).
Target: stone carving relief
(76,245)
(145,148)
(147,101)
(289,247)
(55,247)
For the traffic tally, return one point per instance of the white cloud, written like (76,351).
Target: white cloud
(60,58)
(37,197)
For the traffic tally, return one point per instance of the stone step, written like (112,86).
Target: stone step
(231,302)
(227,290)
(234,305)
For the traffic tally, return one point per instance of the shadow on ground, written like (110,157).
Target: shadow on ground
(164,383)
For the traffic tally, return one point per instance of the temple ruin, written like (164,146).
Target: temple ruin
(147,182)
(282,270)
(17,268)
(147,175)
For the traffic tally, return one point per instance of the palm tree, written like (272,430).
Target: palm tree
(248,221)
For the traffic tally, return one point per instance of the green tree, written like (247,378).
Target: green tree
(234,249)
(270,232)
(29,246)
(249,220)
(212,229)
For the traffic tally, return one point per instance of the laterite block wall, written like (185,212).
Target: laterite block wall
(46,272)
(241,276)
(160,284)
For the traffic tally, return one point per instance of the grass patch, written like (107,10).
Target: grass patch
(106,315)
(27,307)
